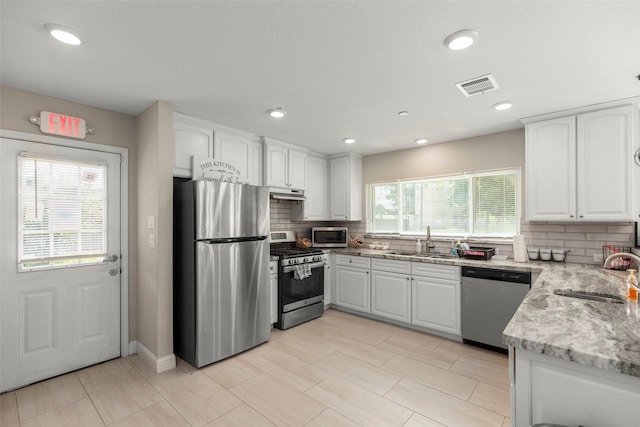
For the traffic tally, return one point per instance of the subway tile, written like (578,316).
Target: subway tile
(565,236)
(586,228)
(558,228)
(591,244)
(609,237)
(621,228)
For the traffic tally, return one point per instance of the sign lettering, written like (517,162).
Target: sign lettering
(208,169)
(60,124)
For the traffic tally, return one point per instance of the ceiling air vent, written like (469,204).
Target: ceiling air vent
(478,85)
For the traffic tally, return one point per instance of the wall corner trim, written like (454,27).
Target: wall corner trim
(159,365)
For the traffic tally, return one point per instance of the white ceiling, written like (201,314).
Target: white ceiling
(340,68)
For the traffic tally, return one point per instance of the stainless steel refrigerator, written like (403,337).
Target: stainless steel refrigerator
(221,270)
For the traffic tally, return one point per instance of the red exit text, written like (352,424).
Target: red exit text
(60,124)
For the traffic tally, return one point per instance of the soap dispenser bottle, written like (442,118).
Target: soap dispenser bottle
(418,247)
(632,285)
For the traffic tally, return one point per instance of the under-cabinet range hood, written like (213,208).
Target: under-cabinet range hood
(285,194)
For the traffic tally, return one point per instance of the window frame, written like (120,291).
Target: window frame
(370,204)
(88,258)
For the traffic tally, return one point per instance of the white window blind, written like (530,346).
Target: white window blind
(62,212)
(480,204)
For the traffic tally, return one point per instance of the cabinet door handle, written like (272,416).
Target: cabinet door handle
(581,216)
(570,216)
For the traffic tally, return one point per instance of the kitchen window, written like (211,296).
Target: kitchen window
(62,213)
(483,204)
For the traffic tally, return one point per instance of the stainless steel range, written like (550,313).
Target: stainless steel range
(300,280)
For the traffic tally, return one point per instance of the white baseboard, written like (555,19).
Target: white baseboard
(159,365)
(133,348)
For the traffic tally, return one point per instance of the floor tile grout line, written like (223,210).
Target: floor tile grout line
(92,402)
(164,398)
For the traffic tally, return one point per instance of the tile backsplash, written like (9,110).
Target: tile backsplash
(584,240)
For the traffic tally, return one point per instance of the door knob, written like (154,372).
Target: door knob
(112,258)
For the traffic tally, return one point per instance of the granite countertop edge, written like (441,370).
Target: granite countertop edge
(592,333)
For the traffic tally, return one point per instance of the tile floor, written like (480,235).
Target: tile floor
(338,370)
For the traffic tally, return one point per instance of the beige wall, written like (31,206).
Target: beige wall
(495,151)
(155,188)
(112,128)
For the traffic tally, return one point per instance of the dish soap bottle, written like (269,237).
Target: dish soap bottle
(418,247)
(632,286)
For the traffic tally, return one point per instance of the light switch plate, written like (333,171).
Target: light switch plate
(152,240)
(151,221)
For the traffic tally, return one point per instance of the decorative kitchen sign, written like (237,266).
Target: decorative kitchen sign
(61,124)
(208,169)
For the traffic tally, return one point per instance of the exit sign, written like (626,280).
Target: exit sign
(63,125)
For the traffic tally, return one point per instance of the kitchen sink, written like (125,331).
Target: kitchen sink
(593,296)
(404,253)
(446,256)
(420,255)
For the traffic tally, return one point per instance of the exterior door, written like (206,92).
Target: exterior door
(59,260)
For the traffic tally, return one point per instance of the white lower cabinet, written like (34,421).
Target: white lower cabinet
(546,389)
(391,289)
(435,297)
(353,284)
(422,294)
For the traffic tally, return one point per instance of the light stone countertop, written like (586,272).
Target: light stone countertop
(593,333)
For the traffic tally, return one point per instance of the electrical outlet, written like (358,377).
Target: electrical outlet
(598,258)
(152,240)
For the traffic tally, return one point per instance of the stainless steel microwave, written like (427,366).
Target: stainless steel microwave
(329,237)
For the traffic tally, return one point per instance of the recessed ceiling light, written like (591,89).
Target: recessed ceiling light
(421,141)
(403,113)
(349,140)
(500,106)
(63,34)
(277,113)
(461,39)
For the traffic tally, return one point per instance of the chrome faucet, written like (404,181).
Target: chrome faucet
(429,244)
(610,258)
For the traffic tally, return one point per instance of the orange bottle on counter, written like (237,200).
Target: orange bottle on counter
(632,286)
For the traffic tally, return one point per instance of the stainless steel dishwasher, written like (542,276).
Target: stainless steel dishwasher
(490,297)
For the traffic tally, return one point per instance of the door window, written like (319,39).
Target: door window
(62,219)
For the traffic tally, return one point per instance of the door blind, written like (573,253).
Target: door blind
(62,212)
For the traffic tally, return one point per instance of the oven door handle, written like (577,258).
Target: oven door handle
(290,268)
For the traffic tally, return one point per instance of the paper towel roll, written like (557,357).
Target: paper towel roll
(519,249)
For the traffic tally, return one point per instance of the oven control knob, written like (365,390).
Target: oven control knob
(305,260)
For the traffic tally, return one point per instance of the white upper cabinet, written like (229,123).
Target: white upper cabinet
(316,204)
(192,137)
(243,151)
(285,166)
(605,165)
(580,168)
(195,137)
(346,187)
(551,170)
